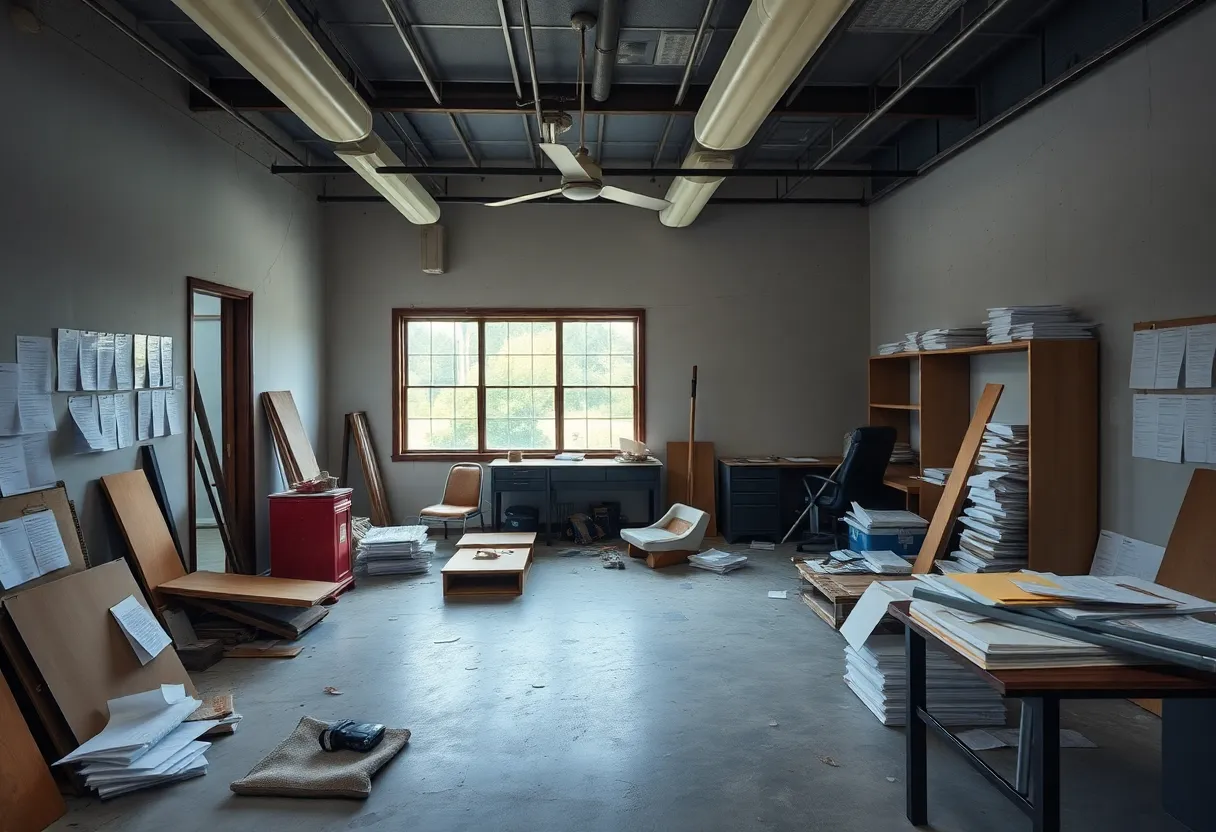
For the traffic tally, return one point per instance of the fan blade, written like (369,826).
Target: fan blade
(630,198)
(524,198)
(561,156)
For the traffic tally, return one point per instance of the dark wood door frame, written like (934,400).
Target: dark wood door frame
(237,452)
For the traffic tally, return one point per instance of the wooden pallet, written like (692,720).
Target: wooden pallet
(467,576)
(832,597)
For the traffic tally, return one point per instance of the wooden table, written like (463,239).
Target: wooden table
(465,575)
(1040,690)
(492,540)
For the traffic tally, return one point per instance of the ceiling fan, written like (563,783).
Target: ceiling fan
(582,178)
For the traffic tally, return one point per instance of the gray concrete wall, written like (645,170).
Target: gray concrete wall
(111,193)
(769,301)
(1101,198)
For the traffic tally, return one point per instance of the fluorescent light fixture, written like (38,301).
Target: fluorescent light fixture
(688,194)
(405,192)
(773,44)
(267,38)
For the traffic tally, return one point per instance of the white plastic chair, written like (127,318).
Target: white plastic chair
(681,529)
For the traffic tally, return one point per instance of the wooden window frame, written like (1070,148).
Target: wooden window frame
(401,317)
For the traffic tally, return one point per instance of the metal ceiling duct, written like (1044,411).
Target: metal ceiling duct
(267,38)
(607,38)
(774,42)
(403,191)
(688,194)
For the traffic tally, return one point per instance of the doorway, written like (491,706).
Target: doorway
(219,351)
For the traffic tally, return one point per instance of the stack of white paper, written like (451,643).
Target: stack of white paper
(912,342)
(878,673)
(891,348)
(1024,323)
(395,550)
(903,454)
(937,476)
(146,743)
(995,520)
(868,519)
(886,562)
(952,337)
(716,561)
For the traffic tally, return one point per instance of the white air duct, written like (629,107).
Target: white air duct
(266,38)
(688,194)
(773,44)
(405,192)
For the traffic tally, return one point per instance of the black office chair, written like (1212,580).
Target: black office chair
(857,479)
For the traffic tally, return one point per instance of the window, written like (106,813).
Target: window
(469,383)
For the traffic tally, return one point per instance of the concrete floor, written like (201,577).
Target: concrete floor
(613,700)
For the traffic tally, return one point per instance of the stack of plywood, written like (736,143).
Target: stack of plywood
(296,457)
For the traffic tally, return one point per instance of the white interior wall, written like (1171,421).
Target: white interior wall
(1101,199)
(113,192)
(208,379)
(769,301)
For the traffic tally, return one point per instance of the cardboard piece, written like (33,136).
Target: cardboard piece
(79,650)
(154,555)
(705,494)
(951,503)
(295,451)
(29,799)
(55,499)
(1189,558)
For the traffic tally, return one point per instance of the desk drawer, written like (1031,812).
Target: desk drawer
(577,475)
(738,473)
(518,481)
(753,519)
(759,498)
(521,473)
(767,486)
(632,474)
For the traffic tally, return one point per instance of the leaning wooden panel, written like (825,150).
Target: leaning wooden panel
(252,589)
(704,467)
(78,648)
(143,526)
(942,524)
(283,408)
(1063,526)
(29,799)
(1189,564)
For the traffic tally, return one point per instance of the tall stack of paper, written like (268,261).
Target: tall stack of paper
(952,337)
(995,522)
(146,743)
(878,674)
(912,342)
(1024,323)
(395,550)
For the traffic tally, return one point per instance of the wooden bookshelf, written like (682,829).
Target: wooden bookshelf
(1062,378)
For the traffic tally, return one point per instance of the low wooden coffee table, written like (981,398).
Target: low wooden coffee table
(465,575)
(492,540)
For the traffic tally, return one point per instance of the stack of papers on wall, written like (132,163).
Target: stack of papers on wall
(1023,323)
(995,522)
(878,674)
(395,550)
(870,519)
(146,743)
(716,561)
(903,454)
(952,337)
(937,476)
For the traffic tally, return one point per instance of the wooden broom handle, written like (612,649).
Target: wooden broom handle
(692,431)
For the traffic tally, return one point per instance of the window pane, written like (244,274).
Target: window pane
(496,403)
(574,369)
(496,338)
(544,338)
(544,369)
(598,338)
(521,369)
(497,433)
(622,428)
(599,433)
(622,403)
(543,403)
(466,433)
(575,433)
(418,434)
(419,371)
(467,370)
(575,403)
(443,369)
(622,369)
(598,369)
(466,403)
(417,403)
(442,436)
(443,403)
(622,338)
(519,337)
(443,338)
(599,403)
(496,369)
(418,337)
(466,337)
(574,337)
(520,403)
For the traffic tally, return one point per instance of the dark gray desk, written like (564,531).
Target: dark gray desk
(548,477)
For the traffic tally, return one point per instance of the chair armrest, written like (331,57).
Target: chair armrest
(826,482)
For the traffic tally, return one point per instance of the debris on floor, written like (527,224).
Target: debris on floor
(762,545)
(828,761)
(448,640)
(778,593)
(333,691)
(271,649)
(612,560)
(538,686)
(772,725)
(979,739)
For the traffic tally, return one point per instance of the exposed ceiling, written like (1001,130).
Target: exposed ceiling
(482,121)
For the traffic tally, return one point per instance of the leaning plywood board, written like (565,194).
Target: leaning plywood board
(292,438)
(251,589)
(29,799)
(704,491)
(148,539)
(1189,563)
(56,500)
(951,503)
(79,650)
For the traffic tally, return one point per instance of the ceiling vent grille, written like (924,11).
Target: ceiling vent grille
(903,15)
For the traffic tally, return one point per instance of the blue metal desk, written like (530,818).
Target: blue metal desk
(547,477)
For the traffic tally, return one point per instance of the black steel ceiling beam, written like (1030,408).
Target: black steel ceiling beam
(640,99)
(745,200)
(734,173)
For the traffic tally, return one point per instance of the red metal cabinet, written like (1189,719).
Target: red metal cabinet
(310,535)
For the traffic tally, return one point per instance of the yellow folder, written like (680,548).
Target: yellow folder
(999,587)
